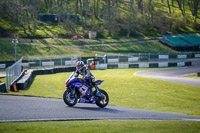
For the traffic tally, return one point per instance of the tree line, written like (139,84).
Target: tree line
(127,17)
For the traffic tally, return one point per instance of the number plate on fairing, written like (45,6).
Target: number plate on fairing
(83,90)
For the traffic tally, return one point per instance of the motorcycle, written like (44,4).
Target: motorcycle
(78,91)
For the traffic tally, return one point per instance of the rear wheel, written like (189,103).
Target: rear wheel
(69,98)
(103,102)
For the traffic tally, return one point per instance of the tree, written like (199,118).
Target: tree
(109,17)
(169,6)
(76,10)
(151,11)
(125,17)
(181,5)
(59,8)
(86,9)
(129,23)
(194,7)
(34,8)
(81,13)
(140,5)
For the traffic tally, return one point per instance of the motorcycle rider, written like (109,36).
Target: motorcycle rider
(87,75)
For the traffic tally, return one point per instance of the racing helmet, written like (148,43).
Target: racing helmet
(79,65)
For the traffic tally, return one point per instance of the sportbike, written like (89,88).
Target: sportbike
(79,91)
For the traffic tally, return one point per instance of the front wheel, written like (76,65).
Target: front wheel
(103,102)
(69,98)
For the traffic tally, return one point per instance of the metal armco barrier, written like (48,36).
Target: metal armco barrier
(26,80)
(143,65)
(53,60)
(13,72)
(148,57)
(3,87)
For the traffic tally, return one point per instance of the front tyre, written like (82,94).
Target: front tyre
(69,98)
(103,102)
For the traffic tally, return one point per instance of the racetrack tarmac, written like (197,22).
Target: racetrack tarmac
(173,75)
(22,108)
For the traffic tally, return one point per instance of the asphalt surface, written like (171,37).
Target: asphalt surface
(20,108)
(173,75)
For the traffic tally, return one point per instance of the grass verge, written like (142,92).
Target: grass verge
(7,50)
(128,90)
(154,47)
(68,42)
(102,126)
(2,80)
(192,76)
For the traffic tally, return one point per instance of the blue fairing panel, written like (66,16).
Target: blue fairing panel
(73,80)
(99,82)
(77,84)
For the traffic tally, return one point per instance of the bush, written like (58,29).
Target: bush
(40,34)
(7,29)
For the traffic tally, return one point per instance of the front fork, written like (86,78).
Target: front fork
(72,90)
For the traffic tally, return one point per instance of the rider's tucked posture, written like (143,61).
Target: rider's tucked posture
(87,75)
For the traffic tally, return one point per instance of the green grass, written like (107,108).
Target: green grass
(69,42)
(6,25)
(7,50)
(192,76)
(2,80)
(128,90)
(102,126)
(44,30)
(2,70)
(57,41)
(135,48)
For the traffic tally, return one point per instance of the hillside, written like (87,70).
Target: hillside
(7,49)
(109,18)
(51,24)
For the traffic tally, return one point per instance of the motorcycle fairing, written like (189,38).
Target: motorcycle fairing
(87,100)
(77,85)
(98,82)
(84,89)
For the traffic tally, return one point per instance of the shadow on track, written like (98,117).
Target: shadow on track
(97,109)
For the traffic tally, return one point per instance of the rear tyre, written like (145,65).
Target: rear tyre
(69,99)
(103,102)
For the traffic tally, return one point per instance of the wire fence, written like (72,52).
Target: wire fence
(53,60)
(13,72)
(109,58)
(148,57)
